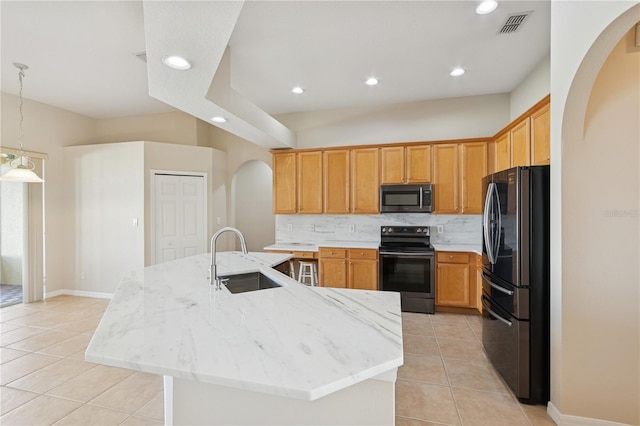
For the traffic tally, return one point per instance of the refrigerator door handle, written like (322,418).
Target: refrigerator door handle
(496,286)
(487,231)
(496,245)
(484,305)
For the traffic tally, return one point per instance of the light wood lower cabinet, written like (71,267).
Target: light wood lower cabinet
(456,280)
(348,268)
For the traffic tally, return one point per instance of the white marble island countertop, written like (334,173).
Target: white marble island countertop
(294,341)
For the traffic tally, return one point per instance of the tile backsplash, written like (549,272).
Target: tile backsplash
(314,229)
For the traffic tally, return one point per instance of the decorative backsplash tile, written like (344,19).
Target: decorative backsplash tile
(314,229)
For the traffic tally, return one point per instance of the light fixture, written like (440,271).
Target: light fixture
(457,72)
(219,119)
(176,62)
(22,166)
(297,90)
(371,81)
(486,6)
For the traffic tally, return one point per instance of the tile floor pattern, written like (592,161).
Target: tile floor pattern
(446,379)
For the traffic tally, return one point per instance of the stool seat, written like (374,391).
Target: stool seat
(308,270)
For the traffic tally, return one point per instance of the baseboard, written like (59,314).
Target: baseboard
(567,420)
(81,293)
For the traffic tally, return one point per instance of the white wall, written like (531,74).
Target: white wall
(48,129)
(105,185)
(459,118)
(594,143)
(252,190)
(532,89)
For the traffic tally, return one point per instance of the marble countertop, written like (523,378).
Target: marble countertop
(316,247)
(471,248)
(294,341)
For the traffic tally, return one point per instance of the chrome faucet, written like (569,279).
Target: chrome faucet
(213,272)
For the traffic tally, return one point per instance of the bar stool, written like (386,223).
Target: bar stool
(308,270)
(292,269)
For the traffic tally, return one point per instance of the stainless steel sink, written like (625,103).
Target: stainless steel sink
(248,282)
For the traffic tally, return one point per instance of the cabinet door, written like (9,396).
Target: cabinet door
(284,183)
(365,188)
(363,274)
(310,182)
(392,164)
(473,166)
(418,163)
(502,153)
(540,135)
(452,284)
(520,144)
(336,181)
(445,179)
(333,273)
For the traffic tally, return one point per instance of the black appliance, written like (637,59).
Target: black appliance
(407,265)
(515,279)
(414,198)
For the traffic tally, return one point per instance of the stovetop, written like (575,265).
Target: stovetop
(405,239)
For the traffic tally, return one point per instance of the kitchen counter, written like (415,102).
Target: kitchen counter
(316,247)
(471,248)
(287,343)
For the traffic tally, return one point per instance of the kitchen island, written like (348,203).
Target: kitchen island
(286,355)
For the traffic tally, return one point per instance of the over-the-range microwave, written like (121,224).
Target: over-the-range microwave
(412,198)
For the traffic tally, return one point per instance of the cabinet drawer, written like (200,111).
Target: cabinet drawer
(452,257)
(333,253)
(304,254)
(369,254)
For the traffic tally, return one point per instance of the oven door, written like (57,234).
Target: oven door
(413,275)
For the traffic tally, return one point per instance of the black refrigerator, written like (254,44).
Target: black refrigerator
(515,279)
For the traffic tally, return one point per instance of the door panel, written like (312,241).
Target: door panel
(179,225)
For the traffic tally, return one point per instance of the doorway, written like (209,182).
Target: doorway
(179,226)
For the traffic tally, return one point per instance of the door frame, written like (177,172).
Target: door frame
(152,204)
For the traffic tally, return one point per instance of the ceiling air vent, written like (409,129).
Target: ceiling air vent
(514,22)
(142,56)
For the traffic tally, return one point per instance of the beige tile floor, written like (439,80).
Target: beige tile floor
(446,379)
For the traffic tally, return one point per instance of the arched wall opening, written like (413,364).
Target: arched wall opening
(596,315)
(251,192)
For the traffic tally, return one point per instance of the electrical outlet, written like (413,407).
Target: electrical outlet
(218,220)
(83,276)
(352,228)
(311,227)
(289,227)
(440,229)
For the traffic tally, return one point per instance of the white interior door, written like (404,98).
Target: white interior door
(179,216)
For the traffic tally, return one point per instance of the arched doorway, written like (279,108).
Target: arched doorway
(252,188)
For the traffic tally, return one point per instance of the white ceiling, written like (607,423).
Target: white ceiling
(81,54)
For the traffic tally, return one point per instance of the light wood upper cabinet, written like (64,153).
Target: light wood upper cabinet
(392,165)
(284,183)
(337,182)
(310,182)
(418,163)
(405,164)
(473,167)
(520,144)
(502,153)
(540,135)
(445,179)
(365,181)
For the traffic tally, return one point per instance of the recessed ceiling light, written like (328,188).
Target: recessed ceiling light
(297,90)
(457,72)
(176,62)
(219,119)
(487,6)
(371,81)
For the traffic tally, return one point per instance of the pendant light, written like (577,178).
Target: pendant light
(22,166)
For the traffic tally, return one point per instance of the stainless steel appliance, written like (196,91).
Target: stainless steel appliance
(515,275)
(407,265)
(414,198)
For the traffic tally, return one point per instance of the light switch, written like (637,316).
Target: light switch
(135,222)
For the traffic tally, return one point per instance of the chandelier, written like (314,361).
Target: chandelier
(21,165)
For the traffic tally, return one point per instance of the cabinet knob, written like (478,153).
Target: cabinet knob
(450,256)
